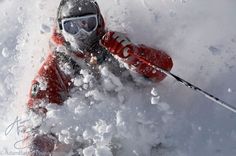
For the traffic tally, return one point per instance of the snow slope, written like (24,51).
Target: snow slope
(198,34)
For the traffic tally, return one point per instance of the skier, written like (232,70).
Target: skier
(81,40)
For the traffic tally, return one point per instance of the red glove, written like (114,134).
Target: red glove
(118,44)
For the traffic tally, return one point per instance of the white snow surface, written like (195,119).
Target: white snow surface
(120,119)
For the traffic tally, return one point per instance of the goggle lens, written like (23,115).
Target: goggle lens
(74,25)
(70,27)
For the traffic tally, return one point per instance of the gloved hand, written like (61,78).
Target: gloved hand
(42,145)
(117,43)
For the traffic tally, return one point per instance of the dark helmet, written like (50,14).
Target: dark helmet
(77,8)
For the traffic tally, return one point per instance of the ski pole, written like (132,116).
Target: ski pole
(189,85)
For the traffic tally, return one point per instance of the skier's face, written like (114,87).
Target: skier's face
(80,31)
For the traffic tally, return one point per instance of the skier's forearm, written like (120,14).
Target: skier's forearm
(131,54)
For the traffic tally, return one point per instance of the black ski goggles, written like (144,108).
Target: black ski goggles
(74,25)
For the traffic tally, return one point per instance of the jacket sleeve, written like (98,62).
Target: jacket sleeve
(138,58)
(50,85)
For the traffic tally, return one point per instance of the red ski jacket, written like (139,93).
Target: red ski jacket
(52,85)
(58,83)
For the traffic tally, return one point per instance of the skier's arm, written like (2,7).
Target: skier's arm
(50,86)
(121,47)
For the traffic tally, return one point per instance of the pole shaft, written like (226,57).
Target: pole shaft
(189,85)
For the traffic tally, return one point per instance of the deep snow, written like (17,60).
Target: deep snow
(199,35)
